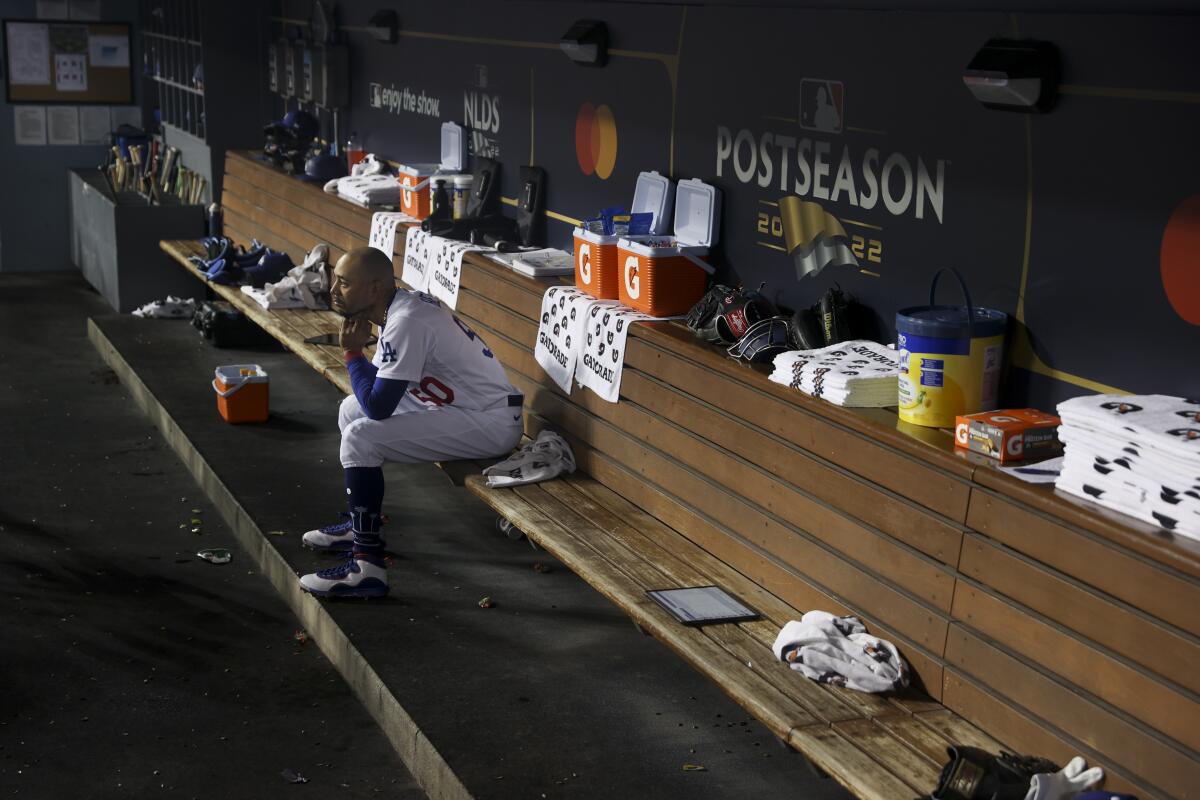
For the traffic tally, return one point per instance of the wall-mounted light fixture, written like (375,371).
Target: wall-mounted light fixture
(586,43)
(383,25)
(1014,75)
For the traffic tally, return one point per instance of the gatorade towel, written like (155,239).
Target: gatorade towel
(950,359)
(445,268)
(416,259)
(602,347)
(560,329)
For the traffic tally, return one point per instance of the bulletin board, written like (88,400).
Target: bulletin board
(68,62)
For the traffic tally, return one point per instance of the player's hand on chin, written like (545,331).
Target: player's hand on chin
(356,330)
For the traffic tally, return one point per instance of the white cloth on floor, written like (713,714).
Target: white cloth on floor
(304,286)
(171,308)
(1065,784)
(543,459)
(1137,454)
(839,651)
(858,373)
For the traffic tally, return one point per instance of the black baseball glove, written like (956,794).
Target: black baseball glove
(724,315)
(975,774)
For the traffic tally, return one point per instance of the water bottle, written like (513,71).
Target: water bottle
(440,206)
(354,151)
(214,220)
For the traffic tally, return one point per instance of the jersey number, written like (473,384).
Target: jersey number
(388,353)
(472,336)
(433,392)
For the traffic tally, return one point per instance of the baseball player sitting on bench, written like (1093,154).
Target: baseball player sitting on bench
(432,392)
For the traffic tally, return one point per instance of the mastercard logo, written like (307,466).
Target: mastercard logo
(596,140)
(1179,260)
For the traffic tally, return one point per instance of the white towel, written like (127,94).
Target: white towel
(376,189)
(416,270)
(839,651)
(543,459)
(1167,424)
(602,349)
(1137,454)
(445,268)
(560,329)
(858,373)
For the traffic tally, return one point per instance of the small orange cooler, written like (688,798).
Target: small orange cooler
(597,269)
(415,195)
(242,393)
(596,264)
(665,276)
(414,183)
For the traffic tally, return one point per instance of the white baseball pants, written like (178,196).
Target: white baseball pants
(423,434)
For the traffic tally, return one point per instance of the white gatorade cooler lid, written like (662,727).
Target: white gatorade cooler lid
(418,170)
(697,213)
(454,147)
(655,194)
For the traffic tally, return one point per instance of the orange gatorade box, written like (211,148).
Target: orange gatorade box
(1009,435)
(242,393)
(664,277)
(596,269)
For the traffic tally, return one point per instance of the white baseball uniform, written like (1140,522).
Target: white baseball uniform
(459,402)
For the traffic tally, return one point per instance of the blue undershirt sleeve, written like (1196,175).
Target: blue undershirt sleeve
(378,397)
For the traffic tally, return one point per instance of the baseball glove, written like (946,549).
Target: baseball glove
(724,315)
(975,774)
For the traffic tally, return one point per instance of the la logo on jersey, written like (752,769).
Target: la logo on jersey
(387,353)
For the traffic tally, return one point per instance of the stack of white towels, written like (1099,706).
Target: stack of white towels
(858,373)
(1137,454)
(370,190)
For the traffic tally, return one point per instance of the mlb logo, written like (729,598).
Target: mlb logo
(376,95)
(822,105)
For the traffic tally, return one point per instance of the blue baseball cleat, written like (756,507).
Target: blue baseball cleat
(336,538)
(357,577)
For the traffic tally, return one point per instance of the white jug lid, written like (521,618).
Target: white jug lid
(655,194)
(454,147)
(697,212)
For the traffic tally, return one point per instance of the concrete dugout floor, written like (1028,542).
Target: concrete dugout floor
(130,667)
(551,693)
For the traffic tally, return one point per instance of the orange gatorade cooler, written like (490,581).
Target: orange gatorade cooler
(242,393)
(597,271)
(414,182)
(415,195)
(665,276)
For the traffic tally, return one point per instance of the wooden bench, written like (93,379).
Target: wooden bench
(1056,627)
